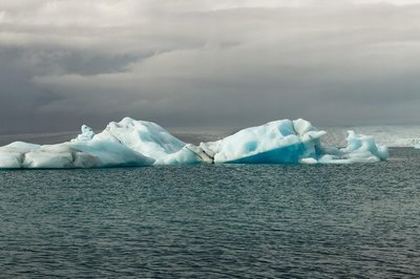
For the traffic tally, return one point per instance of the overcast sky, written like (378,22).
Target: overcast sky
(204,63)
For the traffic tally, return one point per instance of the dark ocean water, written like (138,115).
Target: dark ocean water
(206,221)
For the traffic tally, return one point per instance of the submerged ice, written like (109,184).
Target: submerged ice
(142,143)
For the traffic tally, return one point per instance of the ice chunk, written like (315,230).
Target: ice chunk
(83,152)
(359,149)
(203,155)
(49,156)
(71,155)
(142,143)
(12,155)
(86,135)
(126,143)
(309,161)
(361,144)
(107,153)
(388,135)
(149,139)
(282,141)
(286,141)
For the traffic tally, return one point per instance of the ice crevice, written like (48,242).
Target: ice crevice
(142,143)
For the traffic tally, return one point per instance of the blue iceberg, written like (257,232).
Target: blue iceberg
(141,143)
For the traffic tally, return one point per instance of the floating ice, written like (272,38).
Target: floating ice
(359,149)
(13,155)
(282,141)
(286,141)
(388,135)
(70,155)
(126,143)
(146,138)
(141,143)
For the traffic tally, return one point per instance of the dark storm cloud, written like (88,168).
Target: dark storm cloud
(207,63)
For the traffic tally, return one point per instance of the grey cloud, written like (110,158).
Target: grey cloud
(209,64)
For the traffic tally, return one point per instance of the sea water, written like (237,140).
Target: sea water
(214,221)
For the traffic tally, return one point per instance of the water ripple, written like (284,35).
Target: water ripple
(202,221)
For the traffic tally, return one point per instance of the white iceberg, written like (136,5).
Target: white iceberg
(91,154)
(282,141)
(142,137)
(127,143)
(359,149)
(388,135)
(142,143)
(287,141)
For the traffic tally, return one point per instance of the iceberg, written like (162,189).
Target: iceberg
(389,135)
(141,143)
(287,141)
(92,154)
(126,143)
(141,137)
(360,149)
(276,142)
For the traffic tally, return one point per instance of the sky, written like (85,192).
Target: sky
(207,63)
